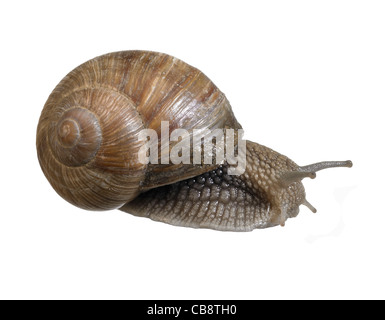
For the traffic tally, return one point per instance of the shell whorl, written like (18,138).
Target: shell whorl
(76,137)
(87,154)
(87,137)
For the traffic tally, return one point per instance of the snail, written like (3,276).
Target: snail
(88,146)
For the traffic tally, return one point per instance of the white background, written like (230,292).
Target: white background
(305,78)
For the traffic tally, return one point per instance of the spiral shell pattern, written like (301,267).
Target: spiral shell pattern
(87,136)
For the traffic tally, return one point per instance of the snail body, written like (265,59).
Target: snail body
(88,141)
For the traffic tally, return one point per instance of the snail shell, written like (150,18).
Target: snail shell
(87,137)
(88,144)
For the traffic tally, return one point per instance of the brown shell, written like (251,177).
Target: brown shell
(87,137)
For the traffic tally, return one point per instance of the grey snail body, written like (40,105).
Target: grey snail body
(88,144)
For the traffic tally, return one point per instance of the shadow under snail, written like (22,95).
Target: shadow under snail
(88,145)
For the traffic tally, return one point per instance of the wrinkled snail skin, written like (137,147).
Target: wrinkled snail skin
(88,144)
(268,193)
